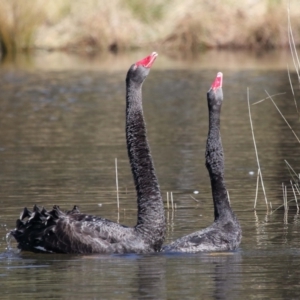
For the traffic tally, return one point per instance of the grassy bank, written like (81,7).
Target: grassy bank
(170,25)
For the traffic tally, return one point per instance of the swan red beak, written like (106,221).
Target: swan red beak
(218,81)
(148,61)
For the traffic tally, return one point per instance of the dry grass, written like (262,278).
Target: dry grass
(18,22)
(231,24)
(172,25)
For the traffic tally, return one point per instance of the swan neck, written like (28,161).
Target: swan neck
(150,204)
(215,166)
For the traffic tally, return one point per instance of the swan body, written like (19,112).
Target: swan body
(56,231)
(225,233)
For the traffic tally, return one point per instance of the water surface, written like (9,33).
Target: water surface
(61,130)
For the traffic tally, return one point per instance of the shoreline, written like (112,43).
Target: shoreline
(110,62)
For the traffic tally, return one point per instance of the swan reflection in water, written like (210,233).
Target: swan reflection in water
(151,276)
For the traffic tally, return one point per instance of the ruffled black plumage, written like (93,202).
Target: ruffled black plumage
(74,232)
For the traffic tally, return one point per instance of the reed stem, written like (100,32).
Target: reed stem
(256,153)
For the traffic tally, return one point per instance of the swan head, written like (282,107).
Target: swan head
(215,93)
(140,70)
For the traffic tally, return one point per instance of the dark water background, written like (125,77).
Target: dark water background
(61,129)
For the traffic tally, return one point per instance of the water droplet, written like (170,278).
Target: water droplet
(8,239)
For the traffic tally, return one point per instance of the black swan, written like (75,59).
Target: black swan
(73,232)
(225,233)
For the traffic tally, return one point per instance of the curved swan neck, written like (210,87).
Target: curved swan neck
(150,204)
(215,164)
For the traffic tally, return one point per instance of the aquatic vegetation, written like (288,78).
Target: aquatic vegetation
(294,182)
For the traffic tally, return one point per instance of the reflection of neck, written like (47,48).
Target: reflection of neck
(150,205)
(215,165)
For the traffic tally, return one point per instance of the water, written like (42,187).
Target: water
(63,127)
